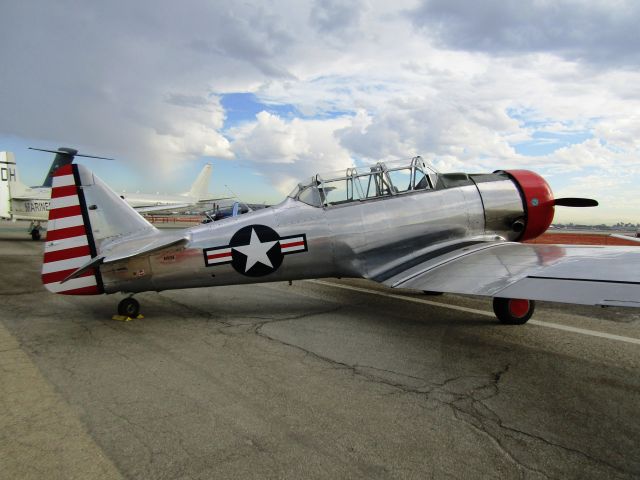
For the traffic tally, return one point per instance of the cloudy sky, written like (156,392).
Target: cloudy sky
(273,91)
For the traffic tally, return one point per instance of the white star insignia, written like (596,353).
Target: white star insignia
(256,251)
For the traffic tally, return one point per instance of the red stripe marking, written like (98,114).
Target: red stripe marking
(62,233)
(292,244)
(66,254)
(64,212)
(92,290)
(62,274)
(218,255)
(65,170)
(65,191)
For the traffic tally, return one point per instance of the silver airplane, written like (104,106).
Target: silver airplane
(404,225)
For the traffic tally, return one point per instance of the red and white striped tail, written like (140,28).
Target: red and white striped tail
(69,243)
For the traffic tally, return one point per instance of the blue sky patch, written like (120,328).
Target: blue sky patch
(243,107)
(545,143)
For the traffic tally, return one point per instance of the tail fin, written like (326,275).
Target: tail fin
(64,156)
(7,172)
(84,212)
(10,185)
(200,188)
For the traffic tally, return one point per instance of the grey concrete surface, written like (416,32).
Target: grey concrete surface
(306,381)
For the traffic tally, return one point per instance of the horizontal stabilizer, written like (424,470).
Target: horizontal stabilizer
(144,245)
(132,248)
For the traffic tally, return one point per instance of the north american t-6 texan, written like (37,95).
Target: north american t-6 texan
(404,225)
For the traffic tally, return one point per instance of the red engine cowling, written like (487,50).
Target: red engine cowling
(537,199)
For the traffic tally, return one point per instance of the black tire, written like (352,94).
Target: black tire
(35,234)
(129,307)
(512,311)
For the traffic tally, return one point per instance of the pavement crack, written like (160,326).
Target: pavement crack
(552,444)
(299,316)
(359,370)
(474,411)
(460,415)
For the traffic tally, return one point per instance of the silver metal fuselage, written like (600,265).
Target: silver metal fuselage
(355,239)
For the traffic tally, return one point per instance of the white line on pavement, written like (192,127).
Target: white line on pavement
(557,326)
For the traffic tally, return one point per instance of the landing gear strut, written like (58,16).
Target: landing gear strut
(34,230)
(513,311)
(129,307)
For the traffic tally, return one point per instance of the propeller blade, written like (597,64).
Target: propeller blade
(68,151)
(92,156)
(575,202)
(51,151)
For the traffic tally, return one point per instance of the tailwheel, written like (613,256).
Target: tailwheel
(129,307)
(513,311)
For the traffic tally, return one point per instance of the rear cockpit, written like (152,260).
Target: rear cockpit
(382,180)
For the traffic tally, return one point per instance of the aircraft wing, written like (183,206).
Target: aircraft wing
(589,275)
(163,208)
(175,206)
(213,199)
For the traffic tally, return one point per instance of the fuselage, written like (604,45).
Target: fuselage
(33,204)
(352,239)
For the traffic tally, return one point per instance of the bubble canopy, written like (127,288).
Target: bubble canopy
(356,184)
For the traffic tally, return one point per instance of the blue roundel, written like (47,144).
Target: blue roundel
(534,202)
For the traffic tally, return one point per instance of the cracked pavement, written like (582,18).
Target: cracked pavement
(305,381)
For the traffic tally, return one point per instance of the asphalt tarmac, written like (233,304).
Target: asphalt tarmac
(321,379)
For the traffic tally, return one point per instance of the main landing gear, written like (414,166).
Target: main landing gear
(513,311)
(34,230)
(510,311)
(129,307)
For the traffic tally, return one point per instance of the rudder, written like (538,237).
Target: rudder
(70,243)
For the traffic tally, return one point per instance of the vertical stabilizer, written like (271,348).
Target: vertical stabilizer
(64,156)
(70,243)
(200,188)
(8,172)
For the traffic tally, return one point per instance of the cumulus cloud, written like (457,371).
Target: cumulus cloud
(134,80)
(449,134)
(336,17)
(468,86)
(288,151)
